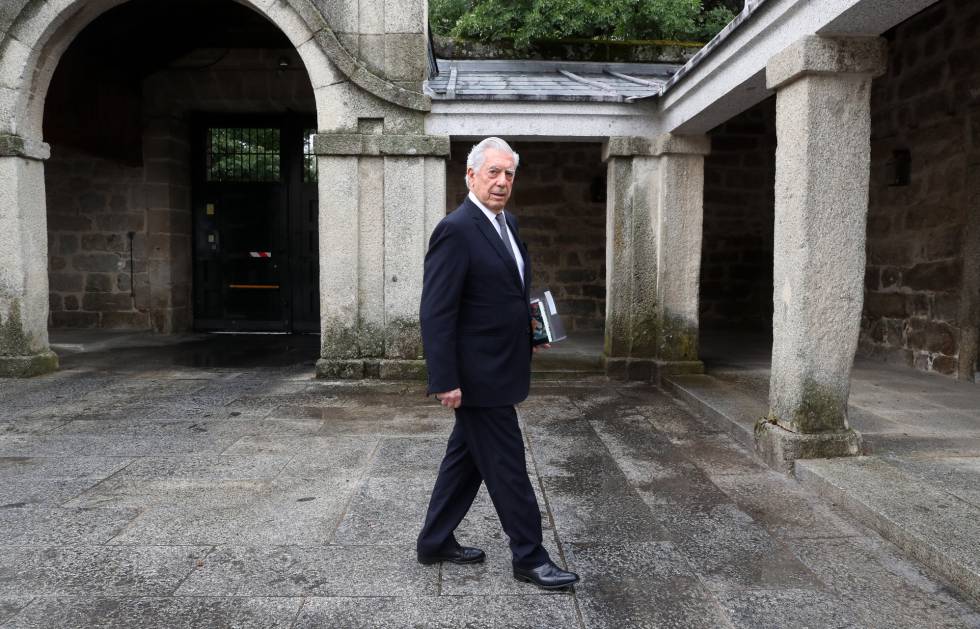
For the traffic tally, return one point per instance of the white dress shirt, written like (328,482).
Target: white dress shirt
(513,241)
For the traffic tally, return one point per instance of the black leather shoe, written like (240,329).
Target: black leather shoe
(461,555)
(547,576)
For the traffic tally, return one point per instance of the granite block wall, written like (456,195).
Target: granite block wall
(921,283)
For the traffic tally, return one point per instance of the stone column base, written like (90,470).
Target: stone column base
(402,370)
(28,366)
(780,447)
(337,369)
(383,368)
(618,368)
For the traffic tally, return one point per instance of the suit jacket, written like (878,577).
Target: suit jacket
(475,315)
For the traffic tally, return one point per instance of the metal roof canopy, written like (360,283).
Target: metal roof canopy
(557,81)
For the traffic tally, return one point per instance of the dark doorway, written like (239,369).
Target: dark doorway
(255,225)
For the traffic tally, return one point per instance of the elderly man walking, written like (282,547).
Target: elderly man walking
(476,329)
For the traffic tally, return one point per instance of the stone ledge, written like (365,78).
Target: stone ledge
(335,369)
(677,368)
(827,55)
(357,144)
(780,448)
(921,517)
(28,366)
(16,146)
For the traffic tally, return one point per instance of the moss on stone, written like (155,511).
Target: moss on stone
(371,340)
(403,339)
(821,409)
(644,336)
(340,342)
(678,340)
(14,341)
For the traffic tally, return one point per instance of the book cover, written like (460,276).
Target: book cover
(545,320)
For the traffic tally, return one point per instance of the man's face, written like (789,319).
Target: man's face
(492,184)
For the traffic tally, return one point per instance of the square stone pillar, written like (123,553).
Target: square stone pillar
(380,198)
(631,259)
(680,217)
(24,349)
(654,208)
(823,125)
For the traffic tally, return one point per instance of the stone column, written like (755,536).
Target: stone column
(380,198)
(823,125)
(631,259)
(680,216)
(654,208)
(24,349)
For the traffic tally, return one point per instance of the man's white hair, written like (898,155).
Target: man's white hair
(478,154)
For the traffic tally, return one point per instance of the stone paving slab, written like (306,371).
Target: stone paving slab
(20,492)
(11,605)
(204,467)
(640,585)
(96,570)
(34,525)
(367,571)
(64,468)
(789,609)
(730,550)
(439,612)
(180,611)
(345,455)
(186,493)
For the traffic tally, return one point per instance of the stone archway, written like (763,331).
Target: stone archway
(370,107)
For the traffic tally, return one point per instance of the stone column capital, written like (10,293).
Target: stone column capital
(816,55)
(381,145)
(17,146)
(676,144)
(666,144)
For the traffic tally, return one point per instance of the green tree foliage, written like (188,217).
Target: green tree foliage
(525,21)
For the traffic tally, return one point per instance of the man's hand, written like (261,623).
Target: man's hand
(538,348)
(450,399)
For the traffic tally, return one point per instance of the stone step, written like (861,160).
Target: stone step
(936,527)
(721,403)
(540,375)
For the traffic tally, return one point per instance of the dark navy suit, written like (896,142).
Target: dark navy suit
(476,329)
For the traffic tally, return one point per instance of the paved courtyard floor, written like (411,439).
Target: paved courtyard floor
(214,483)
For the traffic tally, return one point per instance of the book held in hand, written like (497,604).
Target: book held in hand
(545,320)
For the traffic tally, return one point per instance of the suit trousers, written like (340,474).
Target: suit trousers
(485,446)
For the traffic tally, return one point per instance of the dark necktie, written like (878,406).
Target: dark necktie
(503,235)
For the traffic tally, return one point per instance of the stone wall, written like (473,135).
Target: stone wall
(93,204)
(559,200)
(737,247)
(920,283)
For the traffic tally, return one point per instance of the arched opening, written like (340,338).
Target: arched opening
(181,189)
